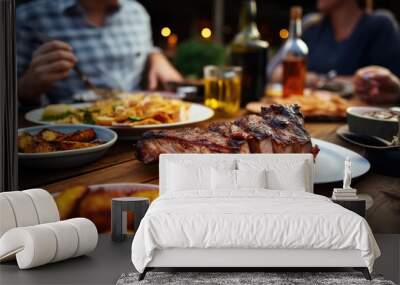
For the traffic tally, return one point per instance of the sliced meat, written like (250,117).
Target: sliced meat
(259,139)
(235,135)
(70,145)
(50,135)
(86,135)
(187,140)
(287,127)
(250,130)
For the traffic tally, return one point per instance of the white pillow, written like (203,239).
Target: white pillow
(183,177)
(281,174)
(293,180)
(223,179)
(251,178)
(231,180)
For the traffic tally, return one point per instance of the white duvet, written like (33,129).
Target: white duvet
(250,219)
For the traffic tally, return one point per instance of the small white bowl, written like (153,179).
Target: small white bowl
(360,123)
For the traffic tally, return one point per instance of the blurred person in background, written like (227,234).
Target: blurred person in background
(343,38)
(347,38)
(377,85)
(110,41)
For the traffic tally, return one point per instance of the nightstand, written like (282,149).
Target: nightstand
(357,206)
(119,219)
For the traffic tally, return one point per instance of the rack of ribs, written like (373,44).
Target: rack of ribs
(279,129)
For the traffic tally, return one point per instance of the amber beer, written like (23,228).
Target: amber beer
(295,57)
(294,76)
(222,87)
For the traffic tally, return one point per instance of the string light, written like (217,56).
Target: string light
(284,33)
(206,33)
(165,32)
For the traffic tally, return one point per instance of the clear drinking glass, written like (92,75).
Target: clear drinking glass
(222,88)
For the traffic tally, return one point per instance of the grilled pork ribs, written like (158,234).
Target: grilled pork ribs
(279,129)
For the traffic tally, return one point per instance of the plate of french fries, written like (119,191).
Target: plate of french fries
(127,111)
(63,146)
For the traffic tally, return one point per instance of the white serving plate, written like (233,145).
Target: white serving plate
(329,163)
(197,113)
(68,158)
(91,96)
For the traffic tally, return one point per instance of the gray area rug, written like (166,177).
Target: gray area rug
(243,278)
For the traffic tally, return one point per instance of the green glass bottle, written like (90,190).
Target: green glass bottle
(248,51)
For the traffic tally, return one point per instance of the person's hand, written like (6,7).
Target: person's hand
(376,84)
(312,79)
(51,62)
(160,72)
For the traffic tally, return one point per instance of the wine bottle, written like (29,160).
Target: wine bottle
(251,53)
(295,53)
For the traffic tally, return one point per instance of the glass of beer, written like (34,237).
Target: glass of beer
(222,88)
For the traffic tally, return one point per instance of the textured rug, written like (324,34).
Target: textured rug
(244,278)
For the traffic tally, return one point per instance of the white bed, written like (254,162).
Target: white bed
(249,226)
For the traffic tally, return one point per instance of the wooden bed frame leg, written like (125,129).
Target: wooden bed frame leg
(143,274)
(364,271)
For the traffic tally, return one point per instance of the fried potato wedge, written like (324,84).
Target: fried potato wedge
(68,201)
(28,143)
(25,142)
(49,135)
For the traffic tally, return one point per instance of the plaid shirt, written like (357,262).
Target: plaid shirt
(112,56)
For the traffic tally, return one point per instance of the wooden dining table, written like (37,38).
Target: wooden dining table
(119,165)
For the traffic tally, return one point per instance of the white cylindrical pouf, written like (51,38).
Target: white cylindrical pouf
(7,218)
(67,239)
(45,205)
(23,208)
(40,244)
(87,234)
(34,246)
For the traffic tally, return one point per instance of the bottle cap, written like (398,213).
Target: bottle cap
(296,12)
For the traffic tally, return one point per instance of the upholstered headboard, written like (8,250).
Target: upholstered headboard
(283,162)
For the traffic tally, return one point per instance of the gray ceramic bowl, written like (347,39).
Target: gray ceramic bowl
(68,158)
(360,123)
